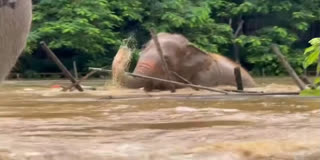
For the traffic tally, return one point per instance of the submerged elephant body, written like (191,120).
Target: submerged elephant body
(15,22)
(185,60)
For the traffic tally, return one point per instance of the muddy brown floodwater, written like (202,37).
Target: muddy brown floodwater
(38,123)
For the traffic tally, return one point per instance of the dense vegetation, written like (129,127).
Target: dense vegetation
(90,31)
(313,57)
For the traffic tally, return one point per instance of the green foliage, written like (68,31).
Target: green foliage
(312,53)
(283,21)
(190,18)
(85,26)
(310,92)
(259,53)
(94,29)
(317,81)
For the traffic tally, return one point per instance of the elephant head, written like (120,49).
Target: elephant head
(184,60)
(15,22)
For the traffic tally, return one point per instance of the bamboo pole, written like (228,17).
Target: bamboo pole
(305,79)
(243,91)
(186,85)
(164,80)
(192,96)
(183,79)
(288,67)
(59,64)
(163,61)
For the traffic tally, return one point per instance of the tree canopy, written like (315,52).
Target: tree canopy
(94,29)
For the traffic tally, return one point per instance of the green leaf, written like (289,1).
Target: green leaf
(317,81)
(311,59)
(310,49)
(310,92)
(302,26)
(313,52)
(315,41)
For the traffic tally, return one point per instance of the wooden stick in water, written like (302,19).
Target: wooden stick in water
(163,61)
(238,78)
(191,96)
(56,60)
(167,81)
(243,93)
(183,79)
(288,67)
(81,80)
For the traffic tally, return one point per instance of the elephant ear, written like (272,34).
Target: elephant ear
(193,49)
(195,59)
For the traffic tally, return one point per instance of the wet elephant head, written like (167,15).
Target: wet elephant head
(181,56)
(15,22)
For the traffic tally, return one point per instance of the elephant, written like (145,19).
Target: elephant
(15,23)
(187,62)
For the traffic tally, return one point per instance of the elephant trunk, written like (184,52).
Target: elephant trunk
(120,66)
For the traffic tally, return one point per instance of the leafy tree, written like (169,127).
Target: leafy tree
(189,17)
(88,27)
(278,22)
(94,29)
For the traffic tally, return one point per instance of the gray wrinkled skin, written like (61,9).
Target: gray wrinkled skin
(15,22)
(10,3)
